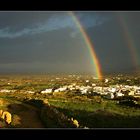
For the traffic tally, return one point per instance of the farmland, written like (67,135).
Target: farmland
(70,99)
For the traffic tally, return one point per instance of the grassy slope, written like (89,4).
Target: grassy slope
(105,114)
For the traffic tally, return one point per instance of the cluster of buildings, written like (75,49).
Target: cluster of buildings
(118,91)
(109,92)
(7,91)
(73,87)
(13,91)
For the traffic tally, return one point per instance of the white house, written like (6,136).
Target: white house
(47,91)
(72,88)
(93,85)
(61,89)
(77,87)
(56,90)
(131,93)
(103,93)
(7,91)
(137,91)
(110,95)
(84,91)
(112,90)
(119,94)
(98,89)
(106,80)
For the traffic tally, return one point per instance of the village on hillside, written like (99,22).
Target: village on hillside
(84,87)
(59,101)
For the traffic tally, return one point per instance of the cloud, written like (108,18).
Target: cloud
(56,22)
(88,20)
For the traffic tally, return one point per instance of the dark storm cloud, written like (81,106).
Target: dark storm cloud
(51,41)
(44,52)
(44,47)
(111,44)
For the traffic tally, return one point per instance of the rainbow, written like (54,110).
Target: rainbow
(129,40)
(90,46)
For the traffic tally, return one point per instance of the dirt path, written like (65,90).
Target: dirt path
(23,115)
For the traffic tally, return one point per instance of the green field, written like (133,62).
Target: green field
(92,111)
(107,114)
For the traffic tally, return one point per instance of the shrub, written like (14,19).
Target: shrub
(37,103)
(54,118)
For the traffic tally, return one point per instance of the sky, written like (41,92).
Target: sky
(50,42)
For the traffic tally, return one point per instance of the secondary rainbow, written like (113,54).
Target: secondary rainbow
(129,40)
(90,46)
